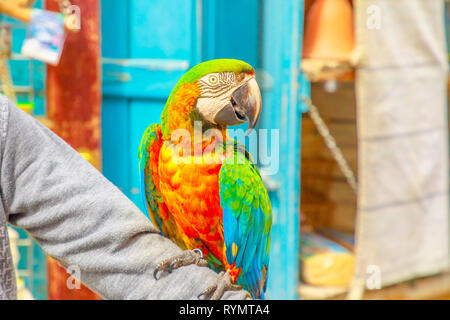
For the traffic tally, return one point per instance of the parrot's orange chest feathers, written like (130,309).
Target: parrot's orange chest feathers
(191,191)
(189,185)
(180,110)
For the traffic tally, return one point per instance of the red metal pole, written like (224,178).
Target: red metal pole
(73,106)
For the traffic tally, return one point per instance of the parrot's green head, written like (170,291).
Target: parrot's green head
(218,92)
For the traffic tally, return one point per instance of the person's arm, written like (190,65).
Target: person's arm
(81,219)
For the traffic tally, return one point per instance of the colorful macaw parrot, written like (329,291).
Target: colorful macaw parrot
(212,202)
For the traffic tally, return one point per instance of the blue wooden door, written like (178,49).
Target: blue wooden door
(285,86)
(149,44)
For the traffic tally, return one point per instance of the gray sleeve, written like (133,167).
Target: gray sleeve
(81,219)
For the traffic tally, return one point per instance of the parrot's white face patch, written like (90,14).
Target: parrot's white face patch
(215,93)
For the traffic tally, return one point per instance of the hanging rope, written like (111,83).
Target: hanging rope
(330,142)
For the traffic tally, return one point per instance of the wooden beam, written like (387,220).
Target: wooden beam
(435,287)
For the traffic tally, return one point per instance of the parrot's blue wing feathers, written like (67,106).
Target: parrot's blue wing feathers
(247,220)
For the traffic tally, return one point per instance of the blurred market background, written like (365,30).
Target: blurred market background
(357,89)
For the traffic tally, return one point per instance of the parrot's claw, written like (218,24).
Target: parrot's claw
(223,283)
(186,258)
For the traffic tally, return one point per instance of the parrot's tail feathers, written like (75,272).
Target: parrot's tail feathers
(255,282)
(263,283)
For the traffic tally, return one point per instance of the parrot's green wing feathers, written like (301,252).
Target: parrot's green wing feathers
(247,220)
(157,210)
(151,196)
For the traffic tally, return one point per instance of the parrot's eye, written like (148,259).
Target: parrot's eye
(212,79)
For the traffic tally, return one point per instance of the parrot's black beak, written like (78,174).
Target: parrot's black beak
(245,105)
